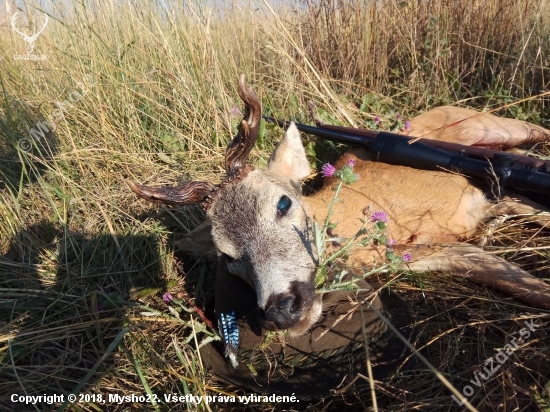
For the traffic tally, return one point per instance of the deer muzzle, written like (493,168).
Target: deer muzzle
(285,310)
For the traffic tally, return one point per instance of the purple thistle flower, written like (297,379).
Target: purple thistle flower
(167,297)
(408,125)
(351,162)
(399,117)
(391,242)
(376,119)
(407,257)
(328,170)
(379,217)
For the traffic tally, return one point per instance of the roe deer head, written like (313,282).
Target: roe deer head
(258,221)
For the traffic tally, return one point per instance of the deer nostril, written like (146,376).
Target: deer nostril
(287,309)
(286,305)
(283,312)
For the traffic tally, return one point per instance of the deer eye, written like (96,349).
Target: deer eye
(283,205)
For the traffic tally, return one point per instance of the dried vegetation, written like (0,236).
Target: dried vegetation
(83,263)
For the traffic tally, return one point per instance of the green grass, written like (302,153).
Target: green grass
(82,259)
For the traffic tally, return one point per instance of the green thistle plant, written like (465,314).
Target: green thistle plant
(372,231)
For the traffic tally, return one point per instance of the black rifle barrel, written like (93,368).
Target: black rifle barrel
(330,134)
(395,149)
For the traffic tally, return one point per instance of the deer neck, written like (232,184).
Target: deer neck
(316,207)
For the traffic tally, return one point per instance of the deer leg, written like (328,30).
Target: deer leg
(199,241)
(513,207)
(490,227)
(473,128)
(521,207)
(483,268)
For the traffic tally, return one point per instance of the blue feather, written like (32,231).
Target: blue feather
(230,333)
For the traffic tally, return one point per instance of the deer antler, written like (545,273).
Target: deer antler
(13,20)
(43,27)
(192,192)
(29,39)
(241,145)
(26,37)
(235,161)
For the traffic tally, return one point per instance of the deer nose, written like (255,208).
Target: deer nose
(283,311)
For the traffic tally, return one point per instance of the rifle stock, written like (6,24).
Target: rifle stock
(496,168)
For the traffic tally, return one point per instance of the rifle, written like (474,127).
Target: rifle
(494,167)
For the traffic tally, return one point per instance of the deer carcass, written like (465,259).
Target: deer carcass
(260,225)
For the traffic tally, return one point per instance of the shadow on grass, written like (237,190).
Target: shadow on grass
(65,295)
(64,298)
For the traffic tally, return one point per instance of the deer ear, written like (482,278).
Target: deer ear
(289,158)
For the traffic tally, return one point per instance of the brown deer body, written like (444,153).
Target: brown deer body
(261,226)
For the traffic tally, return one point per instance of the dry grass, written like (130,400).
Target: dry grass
(81,258)
(436,50)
